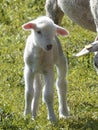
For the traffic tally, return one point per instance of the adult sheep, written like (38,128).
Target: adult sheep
(77,10)
(83,12)
(93,47)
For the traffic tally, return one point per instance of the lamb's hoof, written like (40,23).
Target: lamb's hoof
(64,116)
(26,113)
(53,119)
(33,117)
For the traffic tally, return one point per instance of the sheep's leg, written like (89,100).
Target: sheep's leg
(28,90)
(61,84)
(37,92)
(48,94)
(53,11)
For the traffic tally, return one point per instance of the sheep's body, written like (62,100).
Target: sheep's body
(77,10)
(93,47)
(83,12)
(40,56)
(94,10)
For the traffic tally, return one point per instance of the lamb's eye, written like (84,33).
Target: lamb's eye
(39,32)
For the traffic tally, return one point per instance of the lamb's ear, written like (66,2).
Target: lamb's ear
(29,26)
(61,31)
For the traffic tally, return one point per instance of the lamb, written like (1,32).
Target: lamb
(42,52)
(77,10)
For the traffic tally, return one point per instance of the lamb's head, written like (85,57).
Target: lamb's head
(43,32)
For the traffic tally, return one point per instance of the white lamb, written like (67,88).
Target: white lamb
(42,52)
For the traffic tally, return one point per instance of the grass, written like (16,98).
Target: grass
(82,78)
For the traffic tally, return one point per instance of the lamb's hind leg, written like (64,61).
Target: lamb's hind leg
(48,94)
(61,84)
(37,92)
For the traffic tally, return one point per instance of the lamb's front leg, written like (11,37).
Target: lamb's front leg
(37,92)
(62,87)
(28,76)
(49,94)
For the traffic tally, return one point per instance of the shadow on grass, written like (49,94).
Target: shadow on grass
(84,124)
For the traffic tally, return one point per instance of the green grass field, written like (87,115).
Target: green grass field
(82,78)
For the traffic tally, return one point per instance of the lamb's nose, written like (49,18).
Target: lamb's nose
(49,47)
